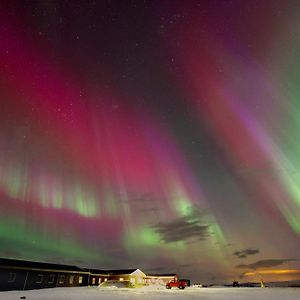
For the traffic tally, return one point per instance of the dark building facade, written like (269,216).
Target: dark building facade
(160,278)
(26,275)
(97,277)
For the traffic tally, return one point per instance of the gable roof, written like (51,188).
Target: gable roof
(120,271)
(124,272)
(98,272)
(138,272)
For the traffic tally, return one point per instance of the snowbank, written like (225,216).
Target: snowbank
(150,293)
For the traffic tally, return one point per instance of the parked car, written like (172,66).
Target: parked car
(181,284)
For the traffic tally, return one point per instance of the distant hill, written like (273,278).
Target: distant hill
(294,283)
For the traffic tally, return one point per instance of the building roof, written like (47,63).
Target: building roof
(33,265)
(121,271)
(98,272)
(24,264)
(162,275)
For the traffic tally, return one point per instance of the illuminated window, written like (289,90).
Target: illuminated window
(105,279)
(80,279)
(121,279)
(94,280)
(71,279)
(61,279)
(11,277)
(51,278)
(99,280)
(40,278)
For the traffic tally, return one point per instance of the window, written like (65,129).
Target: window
(105,279)
(99,280)
(80,279)
(71,279)
(11,277)
(93,280)
(40,278)
(121,279)
(51,278)
(61,279)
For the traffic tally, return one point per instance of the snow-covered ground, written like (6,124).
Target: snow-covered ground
(94,293)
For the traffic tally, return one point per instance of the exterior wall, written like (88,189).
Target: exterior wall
(95,279)
(40,280)
(161,280)
(139,278)
(23,279)
(72,279)
(12,279)
(61,279)
(135,280)
(121,277)
(133,276)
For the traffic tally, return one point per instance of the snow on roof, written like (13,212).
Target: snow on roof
(120,271)
(162,275)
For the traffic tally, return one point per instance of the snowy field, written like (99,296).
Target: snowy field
(94,293)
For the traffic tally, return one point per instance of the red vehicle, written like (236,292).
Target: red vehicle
(181,284)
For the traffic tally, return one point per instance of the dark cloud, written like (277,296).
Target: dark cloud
(245,253)
(155,269)
(190,226)
(267,263)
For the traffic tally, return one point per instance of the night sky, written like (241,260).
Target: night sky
(162,135)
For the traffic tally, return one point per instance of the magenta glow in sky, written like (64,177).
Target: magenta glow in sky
(155,135)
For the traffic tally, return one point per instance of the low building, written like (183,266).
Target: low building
(160,279)
(134,276)
(28,275)
(97,277)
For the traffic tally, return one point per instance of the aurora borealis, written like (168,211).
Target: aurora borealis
(162,135)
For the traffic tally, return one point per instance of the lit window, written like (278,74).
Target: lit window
(80,279)
(121,279)
(51,278)
(40,278)
(71,279)
(99,280)
(11,277)
(105,279)
(94,280)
